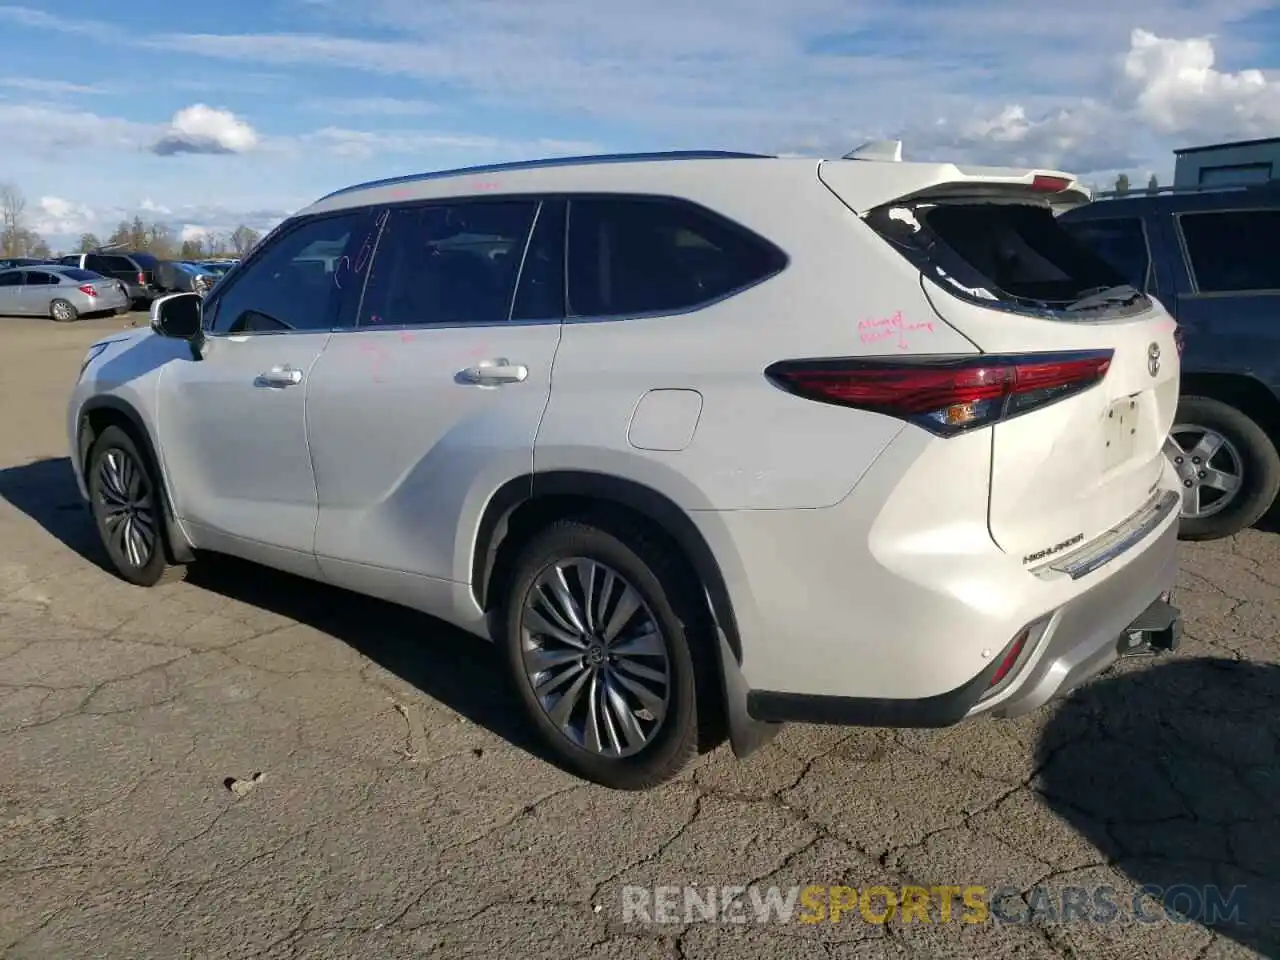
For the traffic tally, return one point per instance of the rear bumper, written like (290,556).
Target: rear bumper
(893,609)
(1067,647)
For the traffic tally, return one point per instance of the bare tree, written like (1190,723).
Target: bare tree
(1153,183)
(13,221)
(243,239)
(1122,183)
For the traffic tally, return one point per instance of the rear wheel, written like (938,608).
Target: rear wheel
(1228,467)
(604,646)
(125,497)
(62,312)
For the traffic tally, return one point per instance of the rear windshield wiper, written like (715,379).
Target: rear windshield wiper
(1104,297)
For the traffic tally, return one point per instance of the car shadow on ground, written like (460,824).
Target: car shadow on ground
(1177,782)
(45,490)
(452,667)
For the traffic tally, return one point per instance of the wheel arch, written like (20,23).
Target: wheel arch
(101,412)
(1246,393)
(526,504)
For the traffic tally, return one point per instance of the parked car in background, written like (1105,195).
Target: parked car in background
(544,422)
(179,276)
(134,270)
(7,263)
(60,293)
(1210,255)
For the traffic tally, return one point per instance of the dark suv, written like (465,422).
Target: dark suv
(135,270)
(1209,255)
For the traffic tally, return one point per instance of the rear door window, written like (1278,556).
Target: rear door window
(654,256)
(1232,251)
(1122,242)
(39,278)
(540,295)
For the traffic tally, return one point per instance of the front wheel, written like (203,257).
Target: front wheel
(604,645)
(125,498)
(1227,465)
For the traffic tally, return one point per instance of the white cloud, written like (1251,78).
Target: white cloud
(204,129)
(61,221)
(50,129)
(1179,90)
(38,85)
(55,216)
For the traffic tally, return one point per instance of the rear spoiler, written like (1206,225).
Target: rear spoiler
(864,181)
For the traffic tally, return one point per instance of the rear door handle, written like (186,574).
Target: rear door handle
(494,372)
(285,376)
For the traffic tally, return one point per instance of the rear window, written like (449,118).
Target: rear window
(646,256)
(80,276)
(1016,255)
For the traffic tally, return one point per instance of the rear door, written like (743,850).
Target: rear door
(1230,301)
(433,401)
(1007,275)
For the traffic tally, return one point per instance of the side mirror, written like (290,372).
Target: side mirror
(178,316)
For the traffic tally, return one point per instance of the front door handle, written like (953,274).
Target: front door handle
(285,376)
(493,372)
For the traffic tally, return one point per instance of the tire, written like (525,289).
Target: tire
(1238,447)
(119,473)
(665,722)
(60,311)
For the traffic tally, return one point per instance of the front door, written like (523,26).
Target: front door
(232,422)
(433,401)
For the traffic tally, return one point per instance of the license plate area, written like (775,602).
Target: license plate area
(1120,430)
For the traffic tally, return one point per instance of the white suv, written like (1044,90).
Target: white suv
(708,442)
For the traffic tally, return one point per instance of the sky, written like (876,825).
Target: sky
(242,111)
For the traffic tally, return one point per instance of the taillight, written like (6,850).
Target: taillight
(1044,184)
(142,279)
(945,396)
(89,289)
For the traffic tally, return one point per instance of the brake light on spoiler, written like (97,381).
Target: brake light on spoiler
(945,395)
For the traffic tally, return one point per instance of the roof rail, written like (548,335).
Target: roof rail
(1194,188)
(553,162)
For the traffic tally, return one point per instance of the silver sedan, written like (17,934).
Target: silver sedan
(58,292)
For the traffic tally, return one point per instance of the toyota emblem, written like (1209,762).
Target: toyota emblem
(1153,359)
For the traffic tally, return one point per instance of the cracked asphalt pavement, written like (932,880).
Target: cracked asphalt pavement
(249,765)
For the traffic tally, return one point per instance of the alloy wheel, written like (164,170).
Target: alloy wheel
(126,506)
(62,312)
(1209,467)
(595,657)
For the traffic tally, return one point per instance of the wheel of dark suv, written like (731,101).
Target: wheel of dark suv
(1228,467)
(62,312)
(605,647)
(125,498)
